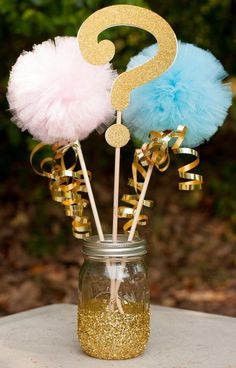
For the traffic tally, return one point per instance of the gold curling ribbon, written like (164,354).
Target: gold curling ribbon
(66,185)
(156,153)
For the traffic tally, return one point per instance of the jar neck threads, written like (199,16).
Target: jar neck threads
(93,247)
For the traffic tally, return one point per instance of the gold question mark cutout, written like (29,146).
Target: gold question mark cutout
(102,52)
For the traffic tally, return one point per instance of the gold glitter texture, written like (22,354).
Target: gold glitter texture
(102,52)
(117,135)
(107,334)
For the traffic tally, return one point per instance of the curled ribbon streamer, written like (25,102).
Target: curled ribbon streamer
(156,153)
(66,185)
(132,199)
(195,182)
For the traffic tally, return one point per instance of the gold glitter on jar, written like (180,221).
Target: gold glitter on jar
(113,311)
(107,334)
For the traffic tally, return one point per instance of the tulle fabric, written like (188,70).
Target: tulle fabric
(56,95)
(190,93)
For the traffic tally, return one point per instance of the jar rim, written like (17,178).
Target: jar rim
(92,246)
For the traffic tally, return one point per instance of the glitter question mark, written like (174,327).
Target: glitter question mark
(102,52)
(98,53)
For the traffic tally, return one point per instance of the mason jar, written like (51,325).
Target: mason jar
(113,310)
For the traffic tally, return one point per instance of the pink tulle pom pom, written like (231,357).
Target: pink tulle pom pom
(56,95)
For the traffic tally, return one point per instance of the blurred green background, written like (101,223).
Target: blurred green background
(191,236)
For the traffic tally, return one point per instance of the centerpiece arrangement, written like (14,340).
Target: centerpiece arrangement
(170,99)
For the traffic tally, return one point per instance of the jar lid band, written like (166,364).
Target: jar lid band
(92,246)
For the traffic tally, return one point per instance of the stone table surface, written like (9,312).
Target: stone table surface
(46,338)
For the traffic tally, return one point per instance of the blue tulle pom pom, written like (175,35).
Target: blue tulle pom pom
(190,93)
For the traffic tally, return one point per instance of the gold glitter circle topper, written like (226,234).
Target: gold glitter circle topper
(117,135)
(102,52)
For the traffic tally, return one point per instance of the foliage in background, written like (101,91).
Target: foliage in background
(25,22)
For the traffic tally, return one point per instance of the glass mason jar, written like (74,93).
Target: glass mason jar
(113,311)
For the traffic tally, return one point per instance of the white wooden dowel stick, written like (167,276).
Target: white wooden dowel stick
(116,186)
(113,285)
(117,286)
(112,275)
(140,203)
(90,193)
